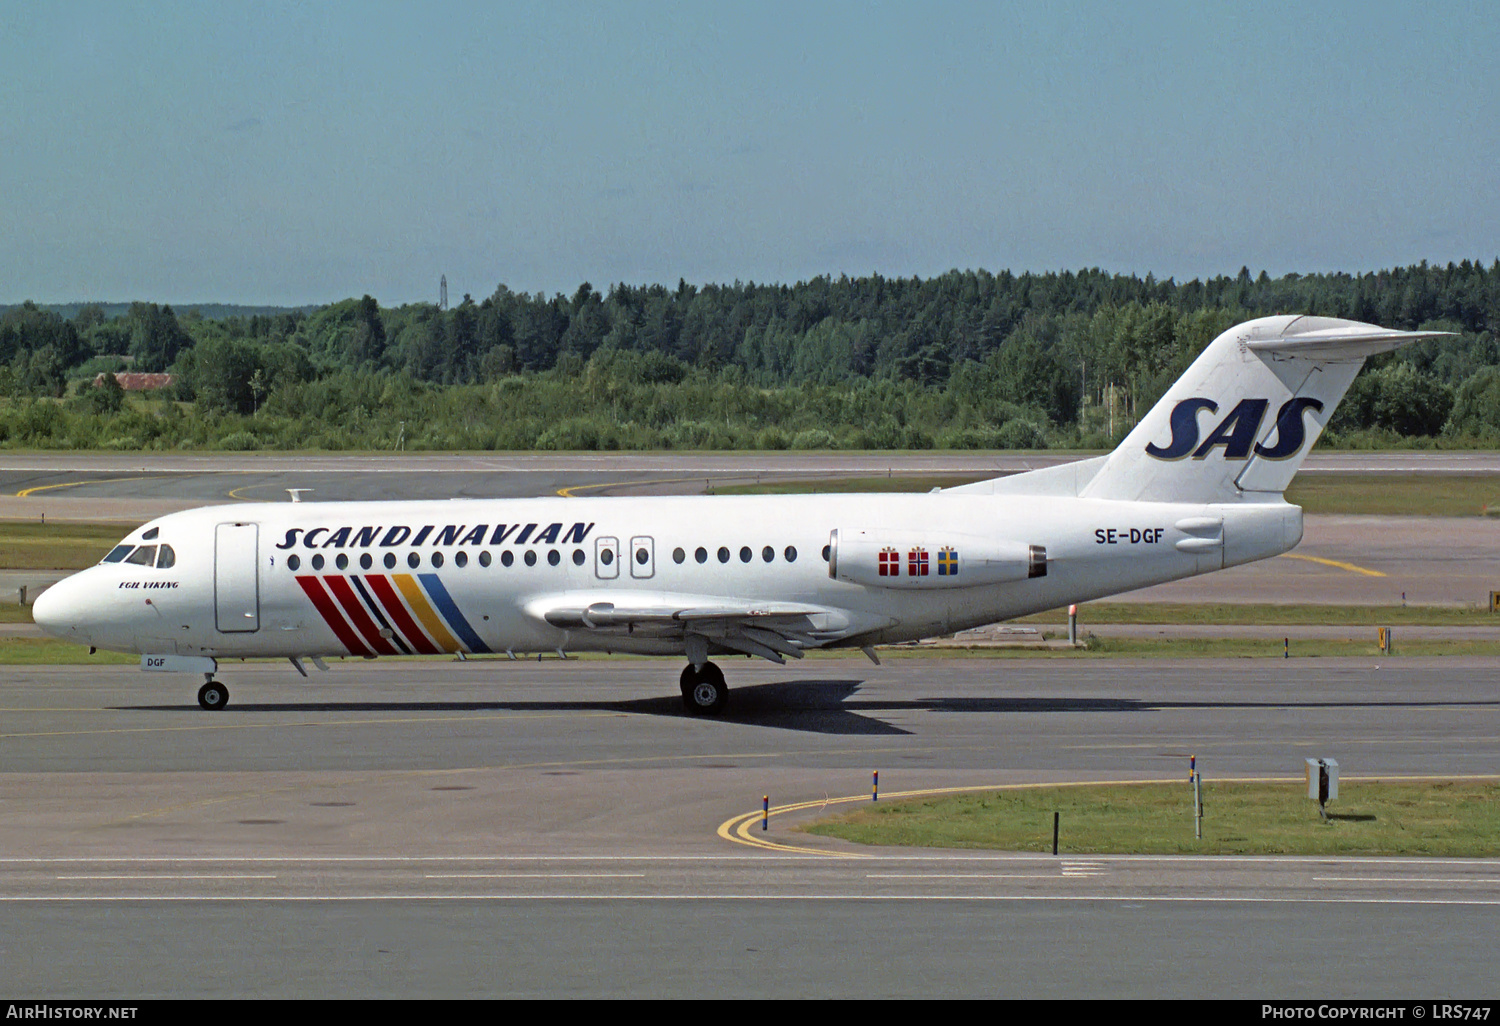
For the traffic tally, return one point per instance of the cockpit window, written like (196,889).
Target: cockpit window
(166,557)
(117,553)
(144,556)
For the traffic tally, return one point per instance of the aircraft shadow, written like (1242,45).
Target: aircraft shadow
(814,706)
(811,706)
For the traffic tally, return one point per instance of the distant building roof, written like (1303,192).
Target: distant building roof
(132,382)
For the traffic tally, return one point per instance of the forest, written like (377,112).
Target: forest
(964,360)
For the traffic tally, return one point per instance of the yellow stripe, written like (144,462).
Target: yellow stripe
(571,492)
(419,605)
(25,492)
(1334,563)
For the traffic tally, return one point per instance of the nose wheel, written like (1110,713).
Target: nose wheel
(213,695)
(704,691)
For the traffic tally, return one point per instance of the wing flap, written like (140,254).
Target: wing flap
(770,630)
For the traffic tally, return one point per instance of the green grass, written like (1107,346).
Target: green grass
(1450,818)
(808,486)
(33,651)
(1268,614)
(50,652)
(1205,648)
(1439,495)
(32,545)
(1445,495)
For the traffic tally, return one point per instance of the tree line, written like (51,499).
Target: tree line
(967,359)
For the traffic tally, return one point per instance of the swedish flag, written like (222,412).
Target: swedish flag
(947,562)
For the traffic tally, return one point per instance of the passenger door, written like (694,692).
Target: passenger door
(236,578)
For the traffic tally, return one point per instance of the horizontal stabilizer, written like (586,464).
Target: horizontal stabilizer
(1327,340)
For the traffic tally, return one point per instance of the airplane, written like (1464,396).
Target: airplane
(1195,487)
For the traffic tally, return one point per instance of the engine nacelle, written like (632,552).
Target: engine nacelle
(930,559)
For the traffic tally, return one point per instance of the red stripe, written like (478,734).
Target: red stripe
(331,616)
(381,586)
(358,616)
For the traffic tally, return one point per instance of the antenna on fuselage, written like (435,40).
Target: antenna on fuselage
(296,493)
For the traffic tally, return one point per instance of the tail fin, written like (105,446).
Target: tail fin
(1268,387)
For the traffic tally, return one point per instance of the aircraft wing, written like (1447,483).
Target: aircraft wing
(770,629)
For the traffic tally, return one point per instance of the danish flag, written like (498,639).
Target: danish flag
(890,563)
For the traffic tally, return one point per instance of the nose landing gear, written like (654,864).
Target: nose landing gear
(704,691)
(213,695)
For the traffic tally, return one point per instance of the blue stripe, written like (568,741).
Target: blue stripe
(445,605)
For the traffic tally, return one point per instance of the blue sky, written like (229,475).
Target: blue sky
(302,153)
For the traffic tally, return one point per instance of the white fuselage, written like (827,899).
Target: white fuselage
(373,578)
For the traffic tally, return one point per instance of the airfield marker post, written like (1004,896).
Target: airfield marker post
(1286,648)
(1056,818)
(765,813)
(875,786)
(1198,805)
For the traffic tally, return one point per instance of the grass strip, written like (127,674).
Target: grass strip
(1439,495)
(51,652)
(808,486)
(1266,614)
(1370,817)
(63,545)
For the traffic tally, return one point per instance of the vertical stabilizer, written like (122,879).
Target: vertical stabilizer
(1238,424)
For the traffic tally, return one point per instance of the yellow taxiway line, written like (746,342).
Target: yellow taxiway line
(28,492)
(1334,563)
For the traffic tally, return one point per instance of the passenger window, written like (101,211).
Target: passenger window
(143,556)
(117,553)
(165,557)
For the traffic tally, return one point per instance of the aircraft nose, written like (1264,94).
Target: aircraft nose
(60,609)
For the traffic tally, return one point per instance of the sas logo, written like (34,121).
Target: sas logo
(1236,432)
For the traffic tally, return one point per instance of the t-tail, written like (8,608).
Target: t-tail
(1238,424)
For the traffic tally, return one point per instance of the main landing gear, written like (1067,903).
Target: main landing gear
(704,691)
(213,695)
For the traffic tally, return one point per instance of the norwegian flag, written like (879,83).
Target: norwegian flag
(916,563)
(890,563)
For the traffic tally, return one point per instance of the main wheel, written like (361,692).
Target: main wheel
(213,696)
(704,692)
